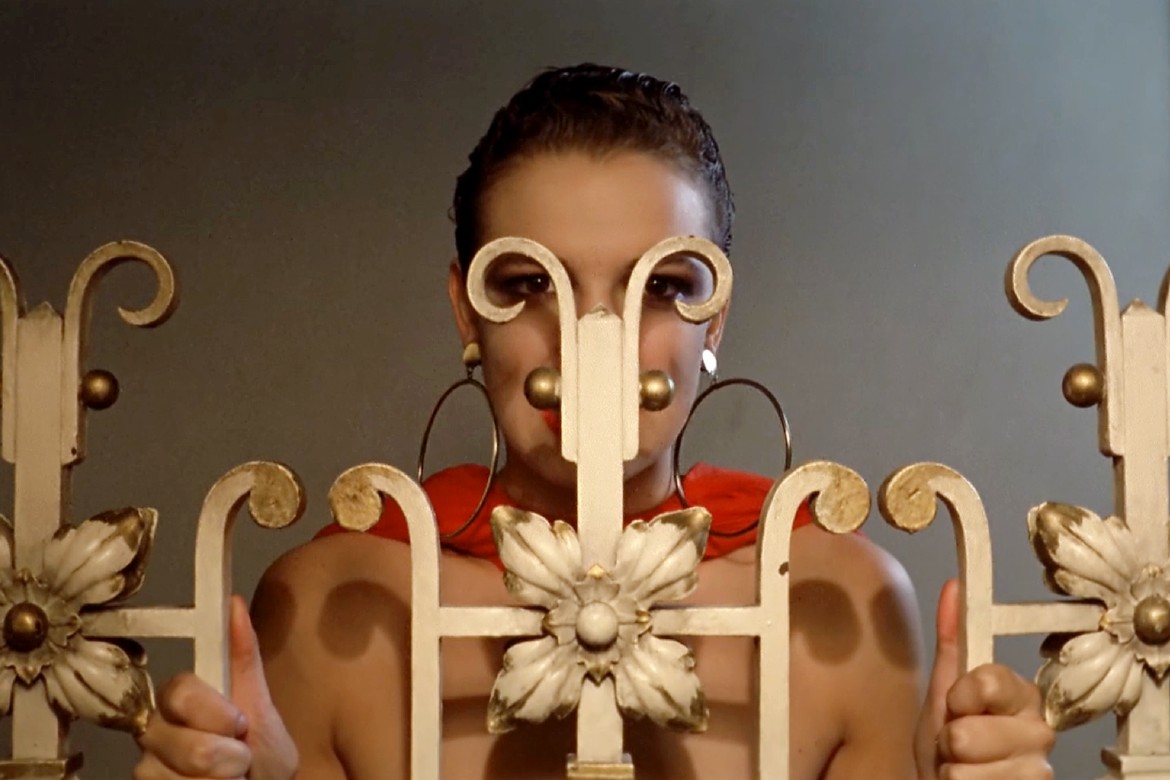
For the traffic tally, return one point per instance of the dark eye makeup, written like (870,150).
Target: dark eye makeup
(512,280)
(668,287)
(678,279)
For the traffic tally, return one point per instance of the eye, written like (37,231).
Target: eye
(527,285)
(520,284)
(668,288)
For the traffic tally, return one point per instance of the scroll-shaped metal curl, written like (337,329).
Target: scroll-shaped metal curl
(908,500)
(711,256)
(356,500)
(275,499)
(1106,316)
(566,309)
(77,316)
(840,504)
(11,310)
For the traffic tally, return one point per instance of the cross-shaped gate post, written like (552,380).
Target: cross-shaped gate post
(1112,650)
(60,585)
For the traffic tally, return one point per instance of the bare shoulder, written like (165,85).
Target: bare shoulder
(332,559)
(332,616)
(852,599)
(855,622)
(332,599)
(853,560)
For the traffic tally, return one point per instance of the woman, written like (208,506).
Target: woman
(598,165)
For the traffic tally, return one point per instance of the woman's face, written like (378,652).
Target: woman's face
(598,214)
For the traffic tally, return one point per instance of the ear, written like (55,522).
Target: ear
(715,328)
(465,317)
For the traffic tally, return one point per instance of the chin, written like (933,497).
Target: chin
(643,462)
(545,461)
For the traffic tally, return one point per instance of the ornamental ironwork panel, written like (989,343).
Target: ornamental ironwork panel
(67,646)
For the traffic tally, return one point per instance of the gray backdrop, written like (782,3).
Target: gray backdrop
(295,162)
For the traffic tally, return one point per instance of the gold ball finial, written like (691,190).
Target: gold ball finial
(1083,385)
(656,389)
(542,388)
(1151,620)
(99,389)
(25,627)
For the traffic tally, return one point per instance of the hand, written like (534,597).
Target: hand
(198,733)
(987,723)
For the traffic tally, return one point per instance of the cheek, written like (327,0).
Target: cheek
(671,345)
(510,351)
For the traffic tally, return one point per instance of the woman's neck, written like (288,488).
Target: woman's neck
(643,490)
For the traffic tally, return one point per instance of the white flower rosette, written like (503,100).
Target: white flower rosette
(597,622)
(1101,560)
(43,615)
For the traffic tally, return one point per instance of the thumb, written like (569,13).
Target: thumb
(944,674)
(249,689)
(946,649)
(274,754)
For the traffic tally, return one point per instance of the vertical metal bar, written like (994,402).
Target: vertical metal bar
(599,503)
(1141,495)
(39,498)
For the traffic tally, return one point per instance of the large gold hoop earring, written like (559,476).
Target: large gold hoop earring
(470,361)
(786,434)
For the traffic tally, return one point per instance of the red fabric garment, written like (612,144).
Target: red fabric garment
(734,499)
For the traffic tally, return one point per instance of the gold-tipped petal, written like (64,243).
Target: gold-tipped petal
(539,678)
(1091,675)
(1082,554)
(656,561)
(543,560)
(655,678)
(103,558)
(102,683)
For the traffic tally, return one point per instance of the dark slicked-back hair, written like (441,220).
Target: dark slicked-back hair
(592,108)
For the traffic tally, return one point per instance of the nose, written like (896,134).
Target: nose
(591,293)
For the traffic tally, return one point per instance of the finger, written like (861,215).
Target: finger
(946,647)
(1032,768)
(265,733)
(249,686)
(985,739)
(942,676)
(188,701)
(993,689)
(187,753)
(946,656)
